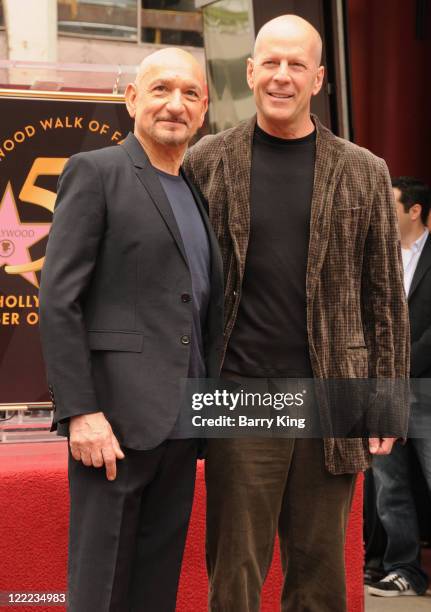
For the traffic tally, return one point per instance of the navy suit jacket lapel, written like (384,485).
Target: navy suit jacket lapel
(149,179)
(423,264)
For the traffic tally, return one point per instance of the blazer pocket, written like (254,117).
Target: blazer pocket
(115,341)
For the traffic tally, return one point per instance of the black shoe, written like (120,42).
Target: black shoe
(371,575)
(392,585)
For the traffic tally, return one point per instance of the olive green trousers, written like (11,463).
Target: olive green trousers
(256,488)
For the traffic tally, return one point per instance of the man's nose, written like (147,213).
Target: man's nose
(282,73)
(175,103)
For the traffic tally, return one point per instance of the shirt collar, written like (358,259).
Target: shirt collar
(418,245)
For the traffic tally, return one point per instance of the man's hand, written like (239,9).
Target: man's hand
(381,446)
(92,441)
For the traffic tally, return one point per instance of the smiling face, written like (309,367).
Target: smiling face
(168,99)
(284,74)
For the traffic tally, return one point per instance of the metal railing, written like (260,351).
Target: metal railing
(26,423)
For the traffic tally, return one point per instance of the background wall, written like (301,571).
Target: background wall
(391,85)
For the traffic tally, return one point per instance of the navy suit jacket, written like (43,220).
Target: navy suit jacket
(419,300)
(114,325)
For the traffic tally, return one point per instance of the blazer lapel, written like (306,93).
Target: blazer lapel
(149,179)
(327,169)
(237,169)
(423,264)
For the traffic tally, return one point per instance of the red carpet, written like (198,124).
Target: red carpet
(33,533)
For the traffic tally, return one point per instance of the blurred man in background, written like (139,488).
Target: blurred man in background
(395,503)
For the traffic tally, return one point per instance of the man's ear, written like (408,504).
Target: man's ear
(204,109)
(250,72)
(319,80)
(130,96)
(415,211)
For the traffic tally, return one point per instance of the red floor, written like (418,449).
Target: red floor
(33,533)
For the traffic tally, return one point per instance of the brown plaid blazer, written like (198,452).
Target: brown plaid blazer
(357,318)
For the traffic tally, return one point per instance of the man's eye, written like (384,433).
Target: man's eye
(159,88)
(269,63)
(191,93)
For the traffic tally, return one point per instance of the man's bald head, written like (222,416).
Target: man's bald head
(290,27)
(171,57)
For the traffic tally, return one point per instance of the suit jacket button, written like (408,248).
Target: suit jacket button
(185,339)
(185,298)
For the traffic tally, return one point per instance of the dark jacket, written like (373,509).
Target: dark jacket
(419,300)
(357,318)
(115,327)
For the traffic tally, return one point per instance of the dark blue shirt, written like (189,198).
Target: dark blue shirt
(196,245)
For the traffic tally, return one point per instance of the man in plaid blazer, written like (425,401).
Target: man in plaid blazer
(307,227)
